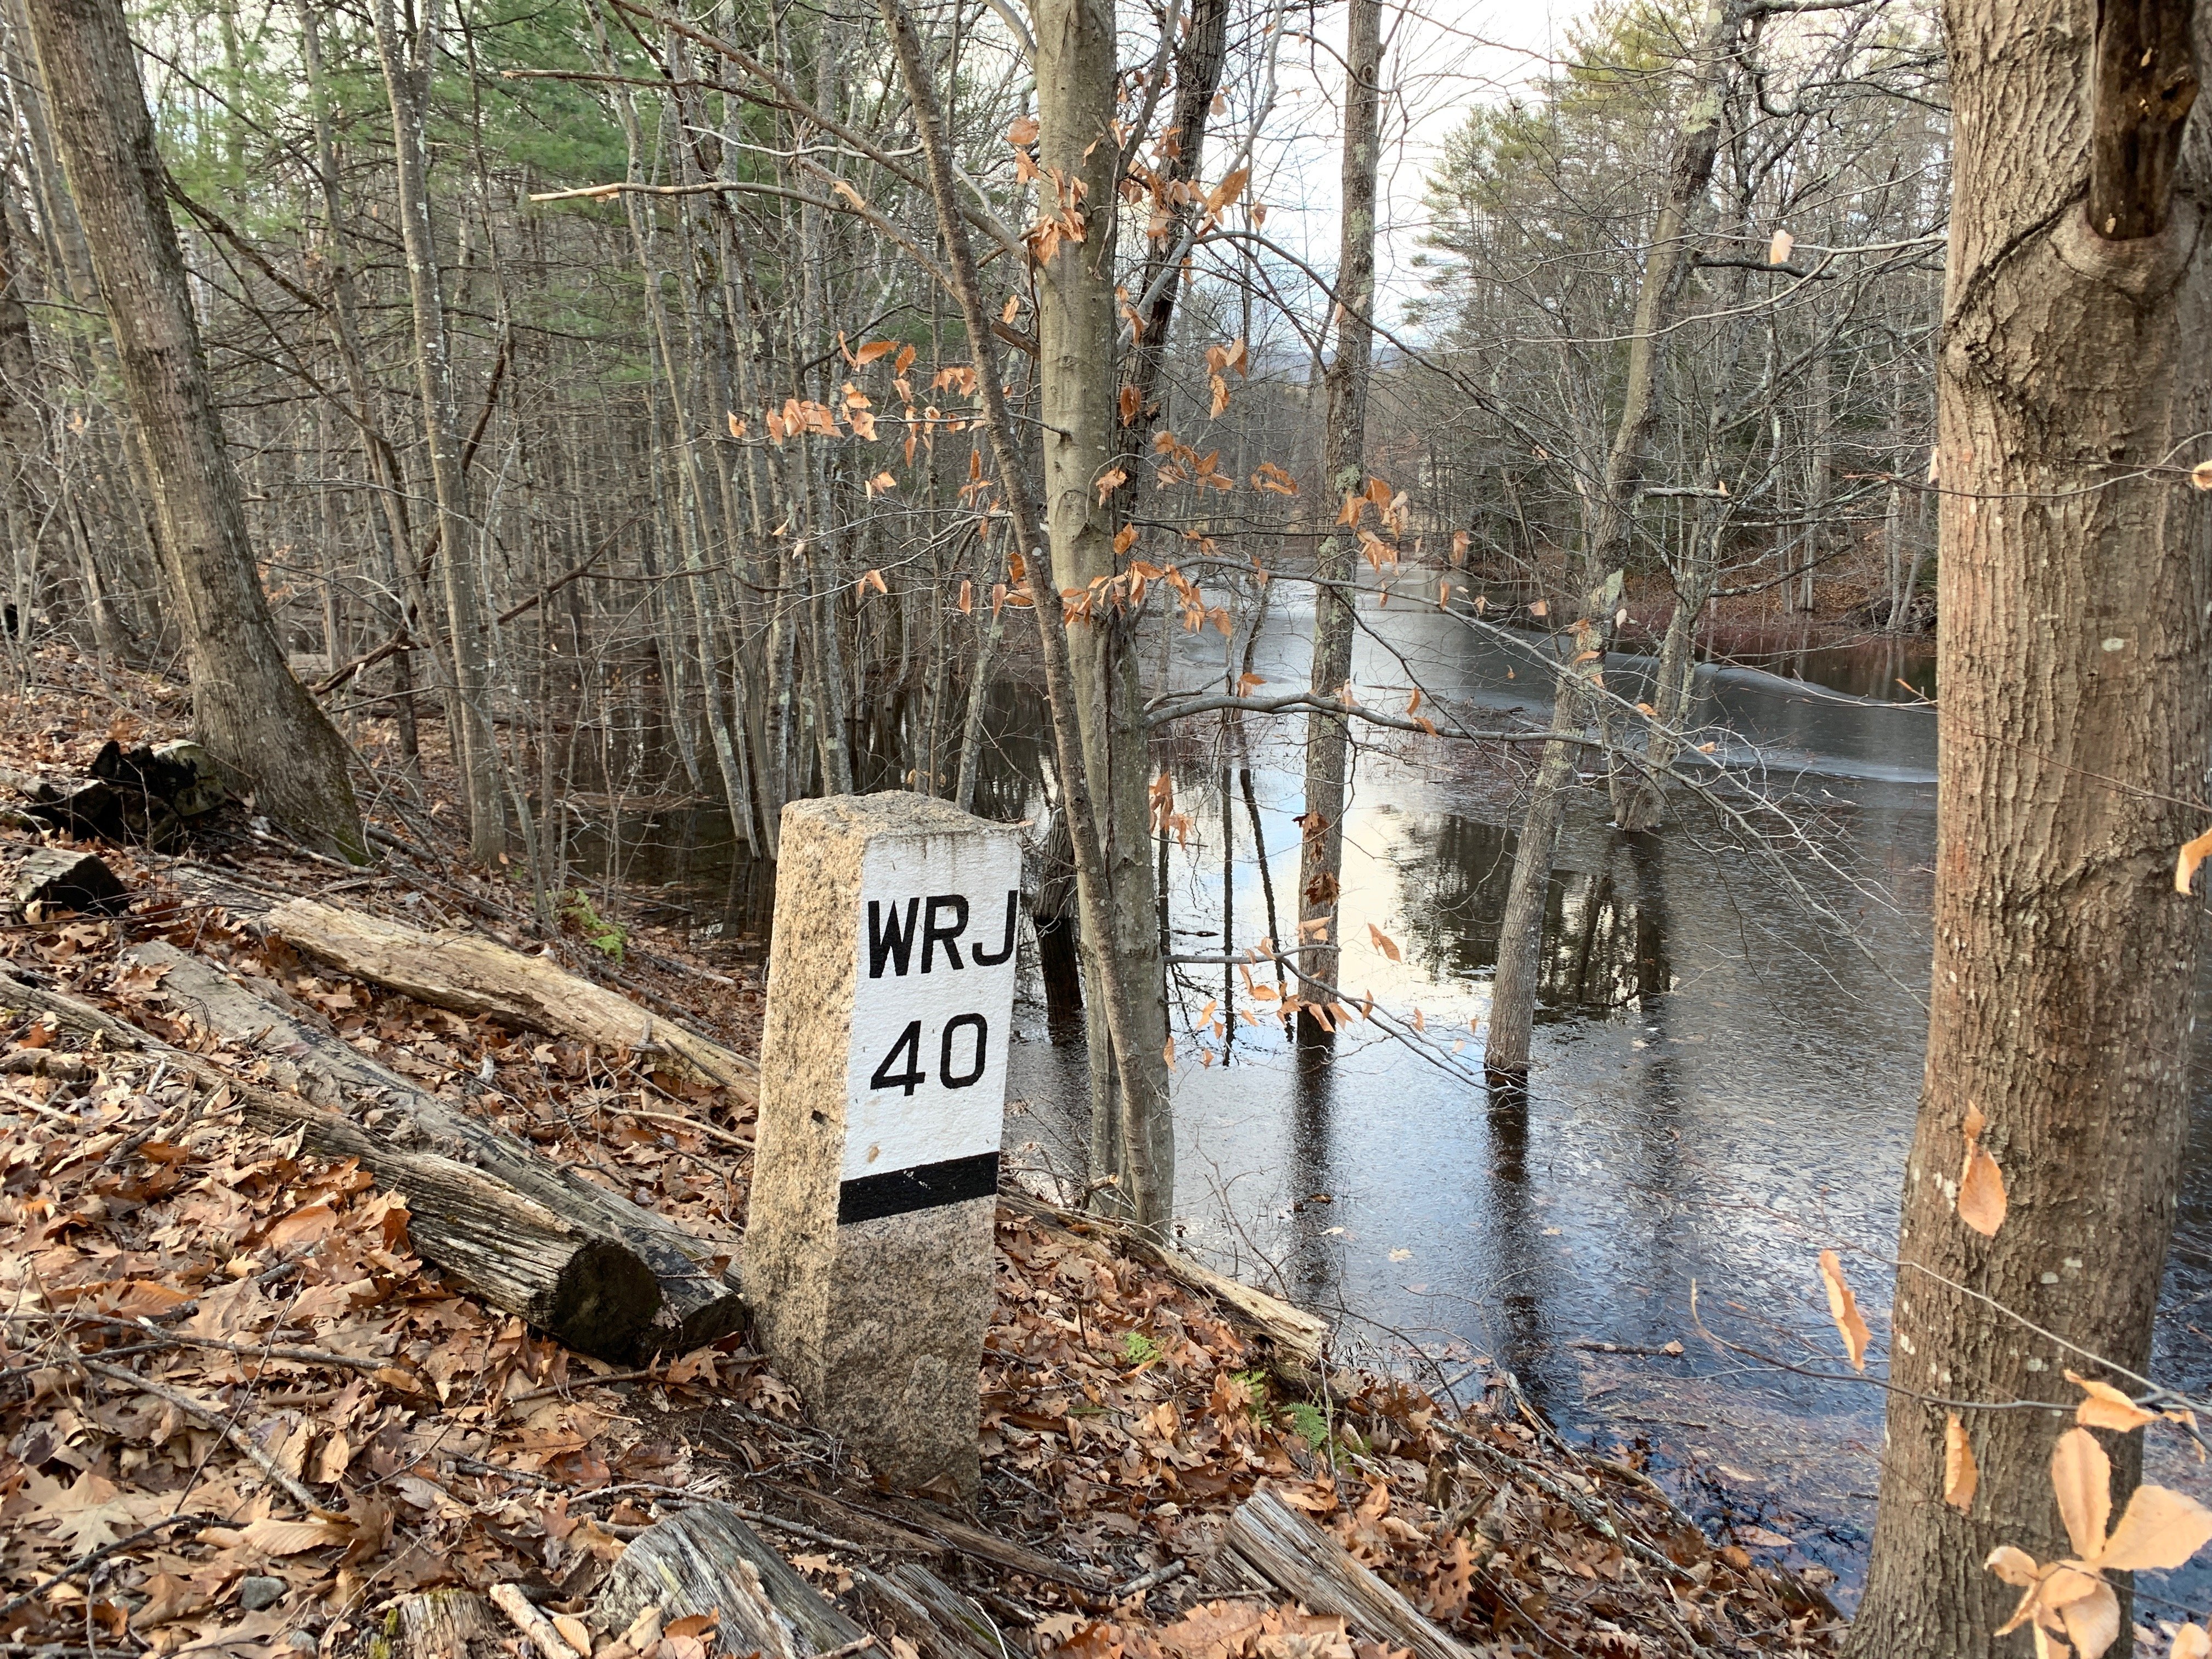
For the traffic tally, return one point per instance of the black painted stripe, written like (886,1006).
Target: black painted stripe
(924,1187)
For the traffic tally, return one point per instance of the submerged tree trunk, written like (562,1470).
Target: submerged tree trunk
(1607,525)
(407,60)
(246,706)
(1344,452)
(2073,655)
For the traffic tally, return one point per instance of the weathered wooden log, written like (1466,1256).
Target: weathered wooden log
(141,794)
(979,1545)
(582,1287)
(58,878)
(81,806)
(920,1605)
(1297,1338)
(1307,1564)
(697,1301)
(438,1624)
(706,1559)
(182,774)
(472,975)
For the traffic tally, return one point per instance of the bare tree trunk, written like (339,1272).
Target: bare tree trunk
(1695,575)
(407,60)
(1344,474)
(694,522)
(1075,66)
(2073,651)
(1608,522)
(246,706)
(23,450)
(389,533)
(1133,996)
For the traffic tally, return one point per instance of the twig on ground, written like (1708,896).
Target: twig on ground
(211,1416)
(93,1558)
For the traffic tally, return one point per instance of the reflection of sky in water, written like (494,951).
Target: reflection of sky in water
(1724,1082)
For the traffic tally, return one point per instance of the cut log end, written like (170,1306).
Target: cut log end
(602,1302)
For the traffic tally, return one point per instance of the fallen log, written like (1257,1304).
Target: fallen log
(940,1622)
(440,1624)
(697,1301)
(705,1559)
(58,878)
(142,795)
(1272,1540)
(583,1287)
(978,1544)
(471,974)
(1298,1338)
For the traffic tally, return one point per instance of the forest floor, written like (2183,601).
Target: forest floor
(238,1417)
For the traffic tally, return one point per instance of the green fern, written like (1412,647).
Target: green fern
(1307,1423)
(608,938)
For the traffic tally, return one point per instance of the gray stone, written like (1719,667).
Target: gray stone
(868,1246)
(255,1593)
(205,791)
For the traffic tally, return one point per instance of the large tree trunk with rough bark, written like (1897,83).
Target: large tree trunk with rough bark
(247,709)
(1344,461)
(2072,658)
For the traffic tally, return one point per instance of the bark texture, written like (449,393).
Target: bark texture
(1344,474)
(247,709)
(2072,661)
(705,1559)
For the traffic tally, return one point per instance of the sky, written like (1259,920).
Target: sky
(1442,58)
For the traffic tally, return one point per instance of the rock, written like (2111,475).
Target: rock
(255,1593)
(57,878)
(205,791)
(180,773)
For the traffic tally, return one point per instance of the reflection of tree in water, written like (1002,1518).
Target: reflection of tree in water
(1451,892)
(1604,941)
(1604,944)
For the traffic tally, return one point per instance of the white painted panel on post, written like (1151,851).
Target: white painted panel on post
(926,1075)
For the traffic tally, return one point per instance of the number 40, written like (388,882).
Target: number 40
(906,1054)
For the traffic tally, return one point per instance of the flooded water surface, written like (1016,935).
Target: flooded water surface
(1725,1080)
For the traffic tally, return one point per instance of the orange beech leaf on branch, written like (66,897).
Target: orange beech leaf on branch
(2159,1530)
(1959,1475)
(2193,852)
